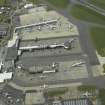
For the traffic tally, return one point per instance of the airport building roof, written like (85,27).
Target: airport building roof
(45,24)
(5,76)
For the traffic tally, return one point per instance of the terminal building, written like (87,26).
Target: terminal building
(41,29)
(46,33)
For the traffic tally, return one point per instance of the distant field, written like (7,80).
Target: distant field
(100,3)
(3,2)
(59,3)
(34,1)
(98,37)
(83,13)
(102,96)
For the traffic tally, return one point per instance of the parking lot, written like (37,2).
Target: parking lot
(11,96)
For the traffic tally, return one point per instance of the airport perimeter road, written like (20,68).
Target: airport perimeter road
(87,45)
(97,81)
(85,38)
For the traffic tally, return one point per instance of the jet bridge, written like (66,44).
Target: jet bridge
(37,24)
(65,45)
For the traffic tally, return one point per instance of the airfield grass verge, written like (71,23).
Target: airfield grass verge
(57,92)
(99,3)
(85,14)
(3,2)
(87,88)
(98,37)
(102,96)
(104,68)
(34,1)
(59,3)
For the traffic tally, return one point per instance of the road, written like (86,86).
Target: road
(90,6)
(97,81)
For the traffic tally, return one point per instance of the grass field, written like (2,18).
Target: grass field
(59,3)
(102,96)
(87,88)
(83,13)
(98,37)
(34,1)
(4,19)
(4,2)
(99,3)
(57,92)
(104,68)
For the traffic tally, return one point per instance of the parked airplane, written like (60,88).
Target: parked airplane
(77,64)
(87,94)
(67,44)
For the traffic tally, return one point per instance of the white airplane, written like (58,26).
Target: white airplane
(53,64)
(1,63)
(39,28)
(19,67)
(52,27)
(6,94)
(70,41)
(77,64)
(1,12)
(67,44)
(86,94)
(2,8)
(17,100)
(9,97)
